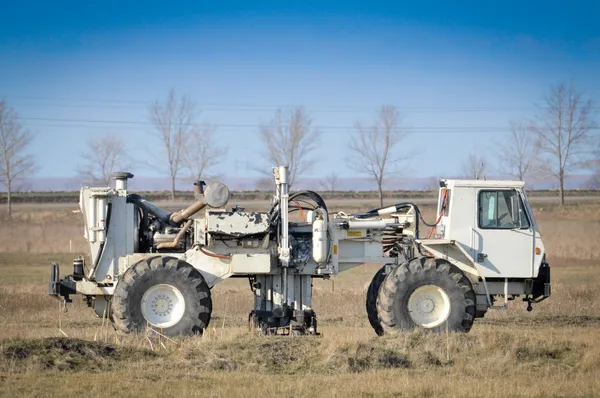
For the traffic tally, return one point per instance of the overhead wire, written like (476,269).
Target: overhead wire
(96,123)
(93,103)
(116,124)
(138,122)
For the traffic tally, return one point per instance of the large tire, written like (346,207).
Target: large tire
(426,293)
(165,293)
(371,302)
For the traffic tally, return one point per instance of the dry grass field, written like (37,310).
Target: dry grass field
(551,351)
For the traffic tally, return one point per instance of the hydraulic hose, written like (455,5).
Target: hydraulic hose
(210,254)
(103,244)
(148,206)
(391,209)
(143,227)
(315,197)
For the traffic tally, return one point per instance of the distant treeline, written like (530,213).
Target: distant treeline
(73,196)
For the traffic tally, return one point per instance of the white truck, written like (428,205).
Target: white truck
(151,268)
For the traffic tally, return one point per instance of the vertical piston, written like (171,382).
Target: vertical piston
(101,226)
(92,218)
(284,248)
(78,273)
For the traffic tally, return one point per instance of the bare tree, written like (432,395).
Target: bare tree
(289,139)
(15,163)
(372,147)
(265,184)
(595,180)
(595,166)
(563,126)
(330,182)
(432,184)
(202,152)
(519,153)
(173,123)
(102,157)
(474,166)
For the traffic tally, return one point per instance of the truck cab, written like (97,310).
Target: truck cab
(493,222)
(488,230)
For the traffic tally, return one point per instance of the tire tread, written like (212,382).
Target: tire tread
(146,269)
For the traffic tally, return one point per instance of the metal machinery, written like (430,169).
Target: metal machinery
(151,268)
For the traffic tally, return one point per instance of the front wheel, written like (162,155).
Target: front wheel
(164,293)
(426,293)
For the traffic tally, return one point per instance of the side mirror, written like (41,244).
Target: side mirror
(519,217)
(516,210)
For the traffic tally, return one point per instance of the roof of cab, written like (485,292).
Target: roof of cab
(485,183)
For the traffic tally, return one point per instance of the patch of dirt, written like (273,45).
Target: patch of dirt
(284,355)
(65,354)
(368,357)
(535,353)
(563,354)
(298,355)
(272,355)
(545,321)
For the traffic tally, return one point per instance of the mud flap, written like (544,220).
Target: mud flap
(540,289)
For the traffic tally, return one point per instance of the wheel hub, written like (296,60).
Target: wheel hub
(163,305)
(429,306)
(426,306)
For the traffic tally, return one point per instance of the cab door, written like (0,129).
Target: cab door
(503,239)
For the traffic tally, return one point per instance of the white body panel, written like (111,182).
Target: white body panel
(107,248)
(120,235)
(502,253)
(237,223)
(506,251)
(251,263)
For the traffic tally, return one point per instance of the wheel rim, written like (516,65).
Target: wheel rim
(429,306)
(163,305)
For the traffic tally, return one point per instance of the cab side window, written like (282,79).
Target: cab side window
(501,209)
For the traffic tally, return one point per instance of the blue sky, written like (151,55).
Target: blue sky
(459,72)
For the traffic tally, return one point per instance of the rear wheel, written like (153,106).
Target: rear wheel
(426,293)
(164,293)
(371,302)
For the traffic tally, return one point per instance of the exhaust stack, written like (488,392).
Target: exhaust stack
(121,178)
(215,195)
